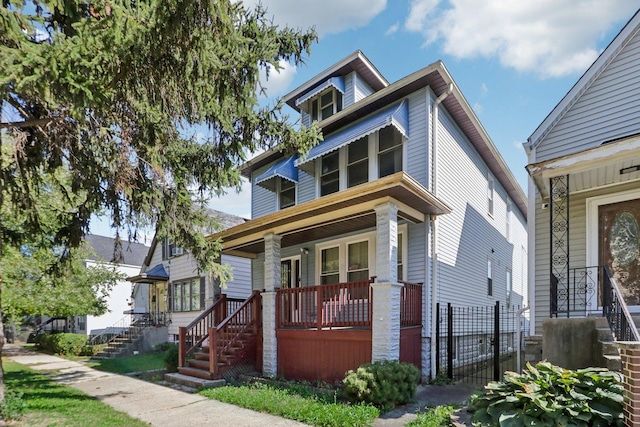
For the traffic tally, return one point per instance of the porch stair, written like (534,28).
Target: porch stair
(123,337)
(610,352)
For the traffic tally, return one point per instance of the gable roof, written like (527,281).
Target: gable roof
(588,78)
(132,253)
(437,77)
(357,62)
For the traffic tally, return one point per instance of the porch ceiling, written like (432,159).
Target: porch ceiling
(332,215)
(590,169)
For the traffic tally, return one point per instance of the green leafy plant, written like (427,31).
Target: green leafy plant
(65,344)
(434,417)
(171,358)
(384,383)
(552,396)
(13,406)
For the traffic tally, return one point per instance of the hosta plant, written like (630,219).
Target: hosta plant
(549,395)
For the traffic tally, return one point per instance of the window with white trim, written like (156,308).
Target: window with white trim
(489,277)
(330,265)
(326,104)
(330,173)
(389,151)
(352,259)
(509,286)
(358,162)
(508,220)
(286,193)
(490,194)
(188,295)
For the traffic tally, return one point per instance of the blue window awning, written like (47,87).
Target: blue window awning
(336,82)
(156,274)
(397,115)
(284,169)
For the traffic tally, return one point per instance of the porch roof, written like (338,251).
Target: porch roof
(611,163)
(334,214)
(156,274)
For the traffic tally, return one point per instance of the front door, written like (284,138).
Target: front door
(619,244)
(290,278)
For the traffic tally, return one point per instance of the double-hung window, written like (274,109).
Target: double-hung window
(286,193)
(358,162)
(358,261)
(187,295)
(389,151)
(326,105)
(330,265)
(330,173)
(490,194)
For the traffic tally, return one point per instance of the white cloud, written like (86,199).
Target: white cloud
(547,37)
(278,81)
(478,108)
(519,145)
(484,88)
(328,16)
(235,203)
(392,29)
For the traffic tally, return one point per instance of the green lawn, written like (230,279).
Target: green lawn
(125,365)
(51,404)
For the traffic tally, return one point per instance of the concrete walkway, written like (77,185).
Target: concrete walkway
(164,406)
(149,402)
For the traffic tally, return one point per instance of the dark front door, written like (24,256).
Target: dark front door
(619,235)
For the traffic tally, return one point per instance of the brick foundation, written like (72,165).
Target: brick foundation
(630,355)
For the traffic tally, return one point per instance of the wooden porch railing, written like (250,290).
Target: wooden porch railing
(195,333)
(324,306)
(226,336)
(411,304)
(341,305)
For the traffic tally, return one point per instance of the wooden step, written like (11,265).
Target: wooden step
(198,364)
(198,373)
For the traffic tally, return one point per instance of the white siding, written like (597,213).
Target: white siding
(469,236)
(417,143)
(362,89)
(608,109)
(240,286)
(348,97)
(306,187)
(263,201)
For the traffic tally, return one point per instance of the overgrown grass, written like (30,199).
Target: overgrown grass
(125,365)
(53,405)
(438,416)
(298,403)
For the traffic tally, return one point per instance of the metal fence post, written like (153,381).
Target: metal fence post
(449,341)
(437,338)
(496,342)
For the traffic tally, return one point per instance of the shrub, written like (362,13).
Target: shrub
(13,406)
(384,383)
(171,358)
(550,395)
(163,346)
(68,344)
(92,350)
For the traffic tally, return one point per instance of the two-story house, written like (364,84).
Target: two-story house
(404,204)
(170,291)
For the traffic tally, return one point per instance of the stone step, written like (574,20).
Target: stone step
(614,363)
(193,382)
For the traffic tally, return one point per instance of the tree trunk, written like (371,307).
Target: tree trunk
(1,283)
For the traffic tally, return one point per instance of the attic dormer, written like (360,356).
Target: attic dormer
(336,88)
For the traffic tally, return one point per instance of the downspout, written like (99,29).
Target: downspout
(434,229)
(518,338)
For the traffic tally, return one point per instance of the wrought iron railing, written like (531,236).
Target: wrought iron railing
(615,310)
(573,293)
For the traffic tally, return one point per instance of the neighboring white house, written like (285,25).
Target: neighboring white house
(171,291)
(119,299)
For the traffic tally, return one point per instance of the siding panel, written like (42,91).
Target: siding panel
(417,143)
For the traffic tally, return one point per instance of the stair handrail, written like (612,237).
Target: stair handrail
(615,309)
(126,327)
(198,329)
(220,341)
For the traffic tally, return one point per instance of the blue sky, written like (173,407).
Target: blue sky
(513,60)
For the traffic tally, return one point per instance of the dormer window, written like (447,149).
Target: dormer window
(286,193)
(325,105)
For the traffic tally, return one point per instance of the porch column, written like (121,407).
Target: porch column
(385,322)
(272,281)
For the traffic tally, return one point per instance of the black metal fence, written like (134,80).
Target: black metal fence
(478,344)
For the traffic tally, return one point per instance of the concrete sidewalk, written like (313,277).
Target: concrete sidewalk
(149,402)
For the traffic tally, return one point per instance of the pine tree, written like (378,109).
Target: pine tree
(110,91)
